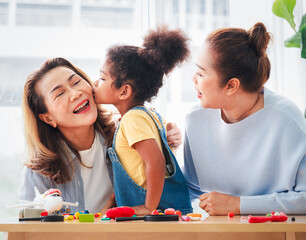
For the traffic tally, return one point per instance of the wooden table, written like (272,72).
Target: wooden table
(211,228)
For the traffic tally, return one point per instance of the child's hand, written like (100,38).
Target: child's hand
(141,210)
(110,204)
(174,137)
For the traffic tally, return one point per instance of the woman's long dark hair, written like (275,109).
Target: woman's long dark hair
(47,147)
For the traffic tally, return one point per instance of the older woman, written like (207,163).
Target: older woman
(67,135)
(245,146)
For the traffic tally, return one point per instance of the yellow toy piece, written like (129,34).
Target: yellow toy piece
(68,217)
(76,215)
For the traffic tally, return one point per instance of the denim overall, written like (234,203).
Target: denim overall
(128,193)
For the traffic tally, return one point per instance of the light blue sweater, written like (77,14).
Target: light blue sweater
(262,158)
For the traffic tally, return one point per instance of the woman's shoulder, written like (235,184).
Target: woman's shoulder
(197,112)
(284,108)
(29,177)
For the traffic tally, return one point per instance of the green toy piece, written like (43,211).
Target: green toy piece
(86,218)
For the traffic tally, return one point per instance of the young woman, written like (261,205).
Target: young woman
(67,135)
(245,146)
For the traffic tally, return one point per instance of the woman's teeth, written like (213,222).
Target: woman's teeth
(80,107)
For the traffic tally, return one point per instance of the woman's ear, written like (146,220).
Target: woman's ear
(45,117)
(232,86)
(125,92)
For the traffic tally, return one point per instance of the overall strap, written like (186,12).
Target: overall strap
(163,137)
(161,130)
(161,122)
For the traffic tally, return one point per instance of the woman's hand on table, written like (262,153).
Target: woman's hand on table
(215,203)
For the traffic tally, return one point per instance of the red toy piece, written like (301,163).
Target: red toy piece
(43,214)
(120,212)
(155,212)
(273,218)
(231,214)
(169,211)
(178,212)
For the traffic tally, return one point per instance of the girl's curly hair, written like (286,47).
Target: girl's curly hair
(144,67)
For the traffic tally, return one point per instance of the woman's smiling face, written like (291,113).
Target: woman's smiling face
(68,99)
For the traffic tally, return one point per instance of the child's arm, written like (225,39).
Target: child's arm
(154,160)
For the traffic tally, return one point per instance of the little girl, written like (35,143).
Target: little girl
(146,173)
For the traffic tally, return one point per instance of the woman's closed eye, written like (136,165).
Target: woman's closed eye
(102,79)
(77,82)
(60,94)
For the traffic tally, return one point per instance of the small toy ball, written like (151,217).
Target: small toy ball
(169,211)
(120,212)
(155,212)
(186,218)
(178,212)
(97,215)
(231,214)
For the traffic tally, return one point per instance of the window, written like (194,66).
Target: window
(45,13)
(3,13)
(33,31)
(108,14)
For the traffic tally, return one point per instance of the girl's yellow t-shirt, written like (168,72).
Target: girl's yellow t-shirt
(135,126)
